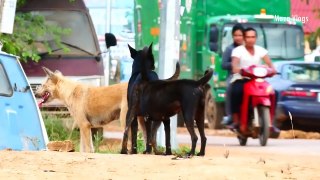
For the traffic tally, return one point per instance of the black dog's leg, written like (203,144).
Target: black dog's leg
(155,126)
(200,125)
(189,121)
(166,124)
(134,131)
(124,149)
(149,137)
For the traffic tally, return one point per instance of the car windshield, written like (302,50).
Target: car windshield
(301,72)
(282,41)
(80,41)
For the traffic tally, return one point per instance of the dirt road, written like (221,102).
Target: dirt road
(220,162)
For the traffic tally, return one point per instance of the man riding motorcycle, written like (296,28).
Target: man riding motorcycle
(244,56)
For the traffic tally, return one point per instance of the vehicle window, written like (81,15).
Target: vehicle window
(282,41)
(81,39)
(227,35)
(5,87)
(213,38)
(301,72)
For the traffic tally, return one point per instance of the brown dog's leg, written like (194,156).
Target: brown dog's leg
(86,144)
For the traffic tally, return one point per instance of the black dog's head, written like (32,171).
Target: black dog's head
(142,58)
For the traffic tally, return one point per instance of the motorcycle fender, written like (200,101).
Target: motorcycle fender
(264,101)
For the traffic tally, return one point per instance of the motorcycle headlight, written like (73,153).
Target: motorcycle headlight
(260,72)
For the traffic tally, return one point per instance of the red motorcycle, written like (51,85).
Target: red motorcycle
(258,104)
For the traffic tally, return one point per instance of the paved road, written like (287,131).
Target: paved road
(286,146)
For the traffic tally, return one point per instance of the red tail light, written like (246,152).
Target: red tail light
(299,93)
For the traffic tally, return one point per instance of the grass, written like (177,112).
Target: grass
(57,131)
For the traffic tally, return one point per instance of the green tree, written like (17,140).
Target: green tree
(312,38)
(27,32)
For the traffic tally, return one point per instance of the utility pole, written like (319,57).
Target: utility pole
(107,55)
(7,14)
(169,55)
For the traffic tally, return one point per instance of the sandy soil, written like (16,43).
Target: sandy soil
(215,165)
(219,163)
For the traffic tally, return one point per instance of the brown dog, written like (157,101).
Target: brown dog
(90,107)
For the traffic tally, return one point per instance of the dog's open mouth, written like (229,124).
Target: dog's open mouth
(44,98)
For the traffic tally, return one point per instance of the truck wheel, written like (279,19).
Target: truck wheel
(213,112)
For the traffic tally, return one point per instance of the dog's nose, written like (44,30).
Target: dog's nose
(37,95)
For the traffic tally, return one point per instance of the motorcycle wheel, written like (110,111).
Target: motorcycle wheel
(264,119)
(242,140)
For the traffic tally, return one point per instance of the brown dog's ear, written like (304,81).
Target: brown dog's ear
(57,72)
(48,71)
(133,52)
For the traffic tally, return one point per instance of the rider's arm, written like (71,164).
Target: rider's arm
(235,65)
(268,62)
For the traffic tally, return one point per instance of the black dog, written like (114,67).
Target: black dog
(136,79)
(160,100)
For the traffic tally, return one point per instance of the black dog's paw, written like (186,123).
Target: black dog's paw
(200,154)
(168,153)
(190,154)
(146,152)
(124,151)
(134,151)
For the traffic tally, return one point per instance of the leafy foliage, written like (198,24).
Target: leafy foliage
(28,30)
(312,39)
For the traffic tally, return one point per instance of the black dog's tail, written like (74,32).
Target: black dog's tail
(176,74)
(207,76)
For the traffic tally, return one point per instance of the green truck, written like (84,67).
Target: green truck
(205,32)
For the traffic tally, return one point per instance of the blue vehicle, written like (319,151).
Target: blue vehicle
(21,124)
(298,90)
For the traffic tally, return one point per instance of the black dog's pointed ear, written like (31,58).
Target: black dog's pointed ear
(150,49)
(133,52)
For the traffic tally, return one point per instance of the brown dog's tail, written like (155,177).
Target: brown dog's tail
(176,74)
(207,76)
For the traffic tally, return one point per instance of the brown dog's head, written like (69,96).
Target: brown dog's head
(48,90)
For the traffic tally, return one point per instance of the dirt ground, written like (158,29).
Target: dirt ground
(215,165)
(219,163)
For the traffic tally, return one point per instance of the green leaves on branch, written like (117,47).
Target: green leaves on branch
(312,39)
(32,36)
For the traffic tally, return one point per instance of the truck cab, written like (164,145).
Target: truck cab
(205,32)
